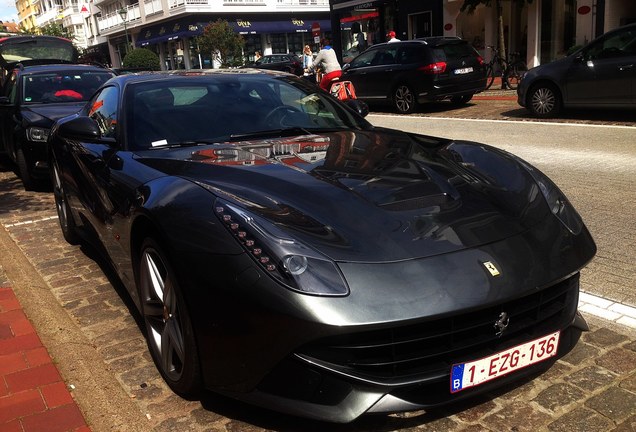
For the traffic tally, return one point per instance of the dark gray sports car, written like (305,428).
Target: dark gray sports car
(285,252)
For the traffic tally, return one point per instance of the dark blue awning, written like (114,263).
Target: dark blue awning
(285,26)
(169,31)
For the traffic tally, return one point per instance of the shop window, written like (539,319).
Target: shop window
(279,43)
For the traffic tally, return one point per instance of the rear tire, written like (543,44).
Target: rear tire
(461,100)
(544,100)
(404,99)
(513,77)
(490,76)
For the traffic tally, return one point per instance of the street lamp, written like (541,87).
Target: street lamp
(122,13)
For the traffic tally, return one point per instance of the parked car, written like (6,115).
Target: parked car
(290,63)
(34,94)
(413,72)
(283,251)
(601,74)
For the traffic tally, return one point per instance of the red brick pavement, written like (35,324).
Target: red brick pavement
(33,396)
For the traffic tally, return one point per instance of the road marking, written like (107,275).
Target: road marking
(526,122)
(607,309)
(29,222)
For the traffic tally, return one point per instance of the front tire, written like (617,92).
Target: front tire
(169,331)
(23,169)
(404,99)
(544,100)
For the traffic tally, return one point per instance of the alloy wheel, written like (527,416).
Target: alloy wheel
(404,99)
(162,314)
(544,102)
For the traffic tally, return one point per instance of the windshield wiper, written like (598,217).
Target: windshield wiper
(273,133)
(192,143)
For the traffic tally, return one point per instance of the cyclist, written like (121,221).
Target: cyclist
(328,61)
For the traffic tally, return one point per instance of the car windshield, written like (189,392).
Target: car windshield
(62,86)
(227,107)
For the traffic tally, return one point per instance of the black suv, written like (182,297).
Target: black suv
(416,71)
(35,92)
(282,62)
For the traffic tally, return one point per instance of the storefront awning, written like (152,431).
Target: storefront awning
(286,26)
(171,30)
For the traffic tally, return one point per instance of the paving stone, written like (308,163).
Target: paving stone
(618,360)
(582,352)
(614,403)
(517,417)
(629,384)
(581,419)
(558,397)
(591,378)
(628,425)
(471,414)
(604,338)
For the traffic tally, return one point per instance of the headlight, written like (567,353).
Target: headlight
(37,134)
(289,261)
(558,203)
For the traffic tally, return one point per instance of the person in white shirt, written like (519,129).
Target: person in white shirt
(390,37)
(328,61)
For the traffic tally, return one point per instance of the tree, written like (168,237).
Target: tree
(54,30)
(222,42)
(141,58)
(470,5)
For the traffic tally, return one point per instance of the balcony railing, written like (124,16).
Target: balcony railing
(152,7)
(52,15)
(113,20)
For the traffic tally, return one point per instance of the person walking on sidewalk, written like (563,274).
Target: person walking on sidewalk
(327,60)
(390,37)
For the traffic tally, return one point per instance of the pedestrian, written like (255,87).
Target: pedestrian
(328,62)
(308,57)
(257,56)
(390,37)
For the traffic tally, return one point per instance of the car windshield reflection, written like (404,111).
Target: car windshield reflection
(195,111)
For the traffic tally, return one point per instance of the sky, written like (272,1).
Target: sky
(8,11)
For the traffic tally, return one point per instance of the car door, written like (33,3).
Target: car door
(605,72)
(8,108)
(370,73)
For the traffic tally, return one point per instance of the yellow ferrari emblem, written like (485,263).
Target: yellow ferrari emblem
(491,268)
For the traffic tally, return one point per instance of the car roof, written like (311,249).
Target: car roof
(62,67)
(431,40)
(202,73)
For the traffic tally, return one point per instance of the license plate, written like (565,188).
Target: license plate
(463,71)
(470,374)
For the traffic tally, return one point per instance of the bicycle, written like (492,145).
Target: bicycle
(511,71)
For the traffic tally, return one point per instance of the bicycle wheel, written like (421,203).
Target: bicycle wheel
(490,76)
(514,74)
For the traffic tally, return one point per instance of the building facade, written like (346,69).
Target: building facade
(26,14)
(169,27)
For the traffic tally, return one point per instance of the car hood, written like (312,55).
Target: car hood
(48,113)
(371,196)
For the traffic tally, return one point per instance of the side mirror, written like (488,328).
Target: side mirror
(358,106)
(346,66)
(80,128)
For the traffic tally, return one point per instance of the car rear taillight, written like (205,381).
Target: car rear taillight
(433,68)
(480,60)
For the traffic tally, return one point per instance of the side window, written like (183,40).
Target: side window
(407,55)
(103,110)
(364,59)
(620,44)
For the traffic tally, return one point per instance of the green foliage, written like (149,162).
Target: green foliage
(220,40)
(54,30)
(141,58)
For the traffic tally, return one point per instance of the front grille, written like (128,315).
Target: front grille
(429,348)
